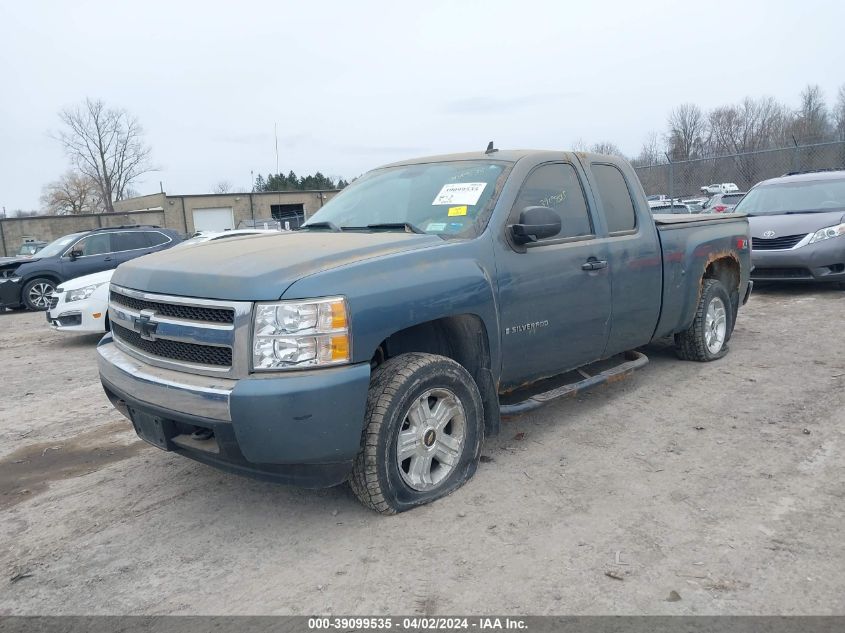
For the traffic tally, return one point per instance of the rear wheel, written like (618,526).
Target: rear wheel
(425,427)
(706,339)
(38,293)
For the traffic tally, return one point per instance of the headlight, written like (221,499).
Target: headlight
(297,334)
(81,293)
(827,233)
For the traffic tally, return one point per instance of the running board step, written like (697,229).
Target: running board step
(567,385)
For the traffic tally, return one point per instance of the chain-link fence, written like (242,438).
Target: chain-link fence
(684,179)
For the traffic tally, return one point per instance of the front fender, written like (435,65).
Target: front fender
(395,292)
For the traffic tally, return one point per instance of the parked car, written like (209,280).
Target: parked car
(658,200)
(81,304)
(382,341)
(722,203)
(798,227)
(695,204)
(725,187)
(27,250)
(30,247)
(667,207)
(31,282)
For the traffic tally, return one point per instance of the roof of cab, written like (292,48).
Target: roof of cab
(504,155)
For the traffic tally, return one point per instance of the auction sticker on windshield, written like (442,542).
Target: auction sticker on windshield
(460,193)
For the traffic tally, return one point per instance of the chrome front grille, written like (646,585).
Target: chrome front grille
(776,243)
(176,350)
(199,336)
(176,310)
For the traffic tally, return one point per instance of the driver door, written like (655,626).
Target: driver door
(555,293)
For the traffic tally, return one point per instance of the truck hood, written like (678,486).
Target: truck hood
(795,224)
(259,267)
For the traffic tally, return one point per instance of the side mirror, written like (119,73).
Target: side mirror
(536,223)
(75,254)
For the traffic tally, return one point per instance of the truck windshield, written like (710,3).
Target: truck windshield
(794,197)
(450,199)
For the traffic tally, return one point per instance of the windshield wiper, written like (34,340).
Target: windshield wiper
(331,226)
(405,226)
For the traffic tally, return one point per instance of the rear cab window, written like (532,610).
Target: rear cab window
(615,198)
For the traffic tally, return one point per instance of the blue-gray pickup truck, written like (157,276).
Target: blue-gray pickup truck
(381,342)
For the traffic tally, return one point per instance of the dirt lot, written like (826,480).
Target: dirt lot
(723,482)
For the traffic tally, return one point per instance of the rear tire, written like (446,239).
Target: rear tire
(706,339)
(37,293)
(423,435)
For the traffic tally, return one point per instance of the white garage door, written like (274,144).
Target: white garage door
(217,219)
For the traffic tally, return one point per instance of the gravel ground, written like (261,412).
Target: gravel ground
(722,482)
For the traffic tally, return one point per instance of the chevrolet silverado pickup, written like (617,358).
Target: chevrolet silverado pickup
(381,342)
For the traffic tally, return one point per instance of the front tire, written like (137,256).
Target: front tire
(706,339)
(423,435)
(38,293)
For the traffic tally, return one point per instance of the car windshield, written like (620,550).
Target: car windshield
(450,199)
(58,246)
(813,196)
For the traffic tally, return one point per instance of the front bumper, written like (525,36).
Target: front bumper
(302,428)
(78,316)
(10,293)
(823,261)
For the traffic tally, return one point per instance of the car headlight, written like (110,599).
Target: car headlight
(301,334)
(827,233)
(81,293)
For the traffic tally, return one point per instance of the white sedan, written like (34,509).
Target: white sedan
(82,305)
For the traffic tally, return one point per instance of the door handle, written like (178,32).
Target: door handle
(594,264)
(107,259)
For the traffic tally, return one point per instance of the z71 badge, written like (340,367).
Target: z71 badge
(527,327)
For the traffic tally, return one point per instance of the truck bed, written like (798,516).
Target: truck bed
(689,242)
(669,219)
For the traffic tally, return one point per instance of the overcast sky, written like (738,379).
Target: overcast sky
(352,85)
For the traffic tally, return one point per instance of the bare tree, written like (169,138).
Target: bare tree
(755,124)
(651,152)
(72,194)
(752,125)
(106,145)
(687,128)
(606,147)
(812,123)
(839,114)
(224,186)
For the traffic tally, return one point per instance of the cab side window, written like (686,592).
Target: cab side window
(615,199)
(557,186)
(96,244)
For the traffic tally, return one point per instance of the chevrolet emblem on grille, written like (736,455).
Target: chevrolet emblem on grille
(144,326)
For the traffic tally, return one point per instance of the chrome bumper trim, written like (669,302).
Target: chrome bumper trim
(190,394)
